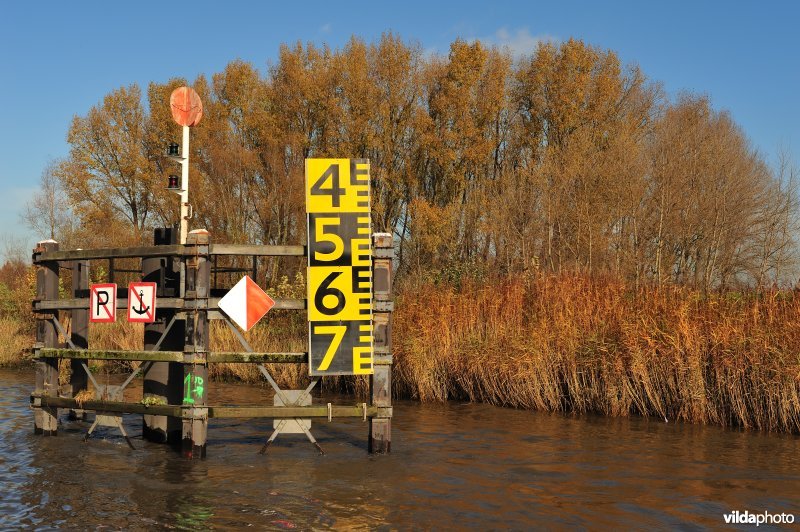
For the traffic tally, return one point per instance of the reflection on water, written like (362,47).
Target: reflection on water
(453,465)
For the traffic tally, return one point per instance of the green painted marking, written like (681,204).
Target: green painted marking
(192,386)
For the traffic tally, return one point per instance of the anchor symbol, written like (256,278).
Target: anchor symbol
(141,310)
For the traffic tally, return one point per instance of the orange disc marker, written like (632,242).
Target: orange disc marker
(187,109)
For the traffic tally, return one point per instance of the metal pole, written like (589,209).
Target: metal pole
(185,186)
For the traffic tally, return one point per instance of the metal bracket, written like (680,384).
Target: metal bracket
(195,413)
(238,335)
(164,334)
(106,418)
(288,402)
(195,357)
(382,359)
(383,306)
(62,332)
(383,253)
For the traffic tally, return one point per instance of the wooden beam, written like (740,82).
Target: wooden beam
(275,412)
(258,358)
(45,419)
(94,354)
(168,251)
(112,406)
(380,382)
(177,303)
(290,412)
(78,380)
(259,251)
(109,253)
(172,356)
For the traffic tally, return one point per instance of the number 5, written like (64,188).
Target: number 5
(333,238)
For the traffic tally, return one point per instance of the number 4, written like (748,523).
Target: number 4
(335,191)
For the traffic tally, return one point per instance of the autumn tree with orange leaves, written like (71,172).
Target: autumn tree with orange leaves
(564,160)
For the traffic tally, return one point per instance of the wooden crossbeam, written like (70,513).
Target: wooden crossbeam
(275,412)
(172,356)
(211,303)
(169,251)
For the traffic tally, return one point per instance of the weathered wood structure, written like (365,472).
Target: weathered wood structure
(176,351)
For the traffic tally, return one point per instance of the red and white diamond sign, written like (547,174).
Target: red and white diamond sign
(246,303)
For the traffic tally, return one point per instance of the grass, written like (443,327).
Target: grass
(14,340)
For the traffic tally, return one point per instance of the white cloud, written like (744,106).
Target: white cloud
(326,28)
(520,41)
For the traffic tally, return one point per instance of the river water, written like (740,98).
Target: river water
(452,466)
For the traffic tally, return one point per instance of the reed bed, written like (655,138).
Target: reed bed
(574,344)
(566,343)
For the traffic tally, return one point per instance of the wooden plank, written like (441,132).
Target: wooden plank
(113,406)
(290,412)
(109,253)
(89,354)
(260,251)
(167,251)
(275,412)
(258,358)
(163,302)
(173,356)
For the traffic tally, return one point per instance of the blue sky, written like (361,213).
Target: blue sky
(57,59)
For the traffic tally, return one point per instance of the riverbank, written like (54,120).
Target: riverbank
(561,344)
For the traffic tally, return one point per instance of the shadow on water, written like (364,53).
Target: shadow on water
(462,465)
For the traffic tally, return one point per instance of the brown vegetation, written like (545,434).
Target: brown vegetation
(574,344)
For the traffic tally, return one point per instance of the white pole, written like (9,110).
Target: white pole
(185,186)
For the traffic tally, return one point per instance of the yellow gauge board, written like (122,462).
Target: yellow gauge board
(339,267)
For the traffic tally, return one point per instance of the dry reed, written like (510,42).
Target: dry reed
(570,343)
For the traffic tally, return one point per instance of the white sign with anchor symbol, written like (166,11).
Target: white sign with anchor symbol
(142,302)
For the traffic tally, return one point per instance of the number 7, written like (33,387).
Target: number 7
(338,334)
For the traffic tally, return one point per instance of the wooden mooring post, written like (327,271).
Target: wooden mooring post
(79,334)
(380,428)
(45,418)
(195,350)
(163,380)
